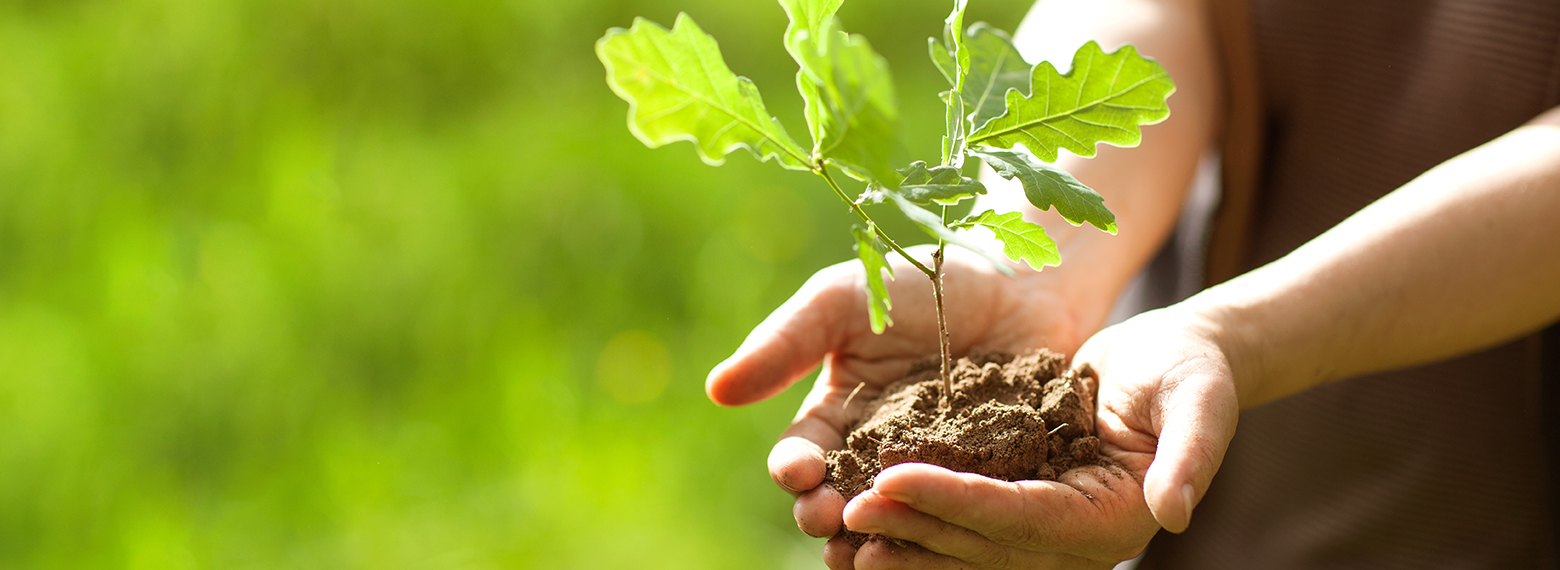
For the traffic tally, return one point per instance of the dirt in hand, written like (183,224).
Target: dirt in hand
(1011,418)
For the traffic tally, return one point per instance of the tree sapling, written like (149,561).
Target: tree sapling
(1012,115)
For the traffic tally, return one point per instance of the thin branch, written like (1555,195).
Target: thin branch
(944,346)
(854,207)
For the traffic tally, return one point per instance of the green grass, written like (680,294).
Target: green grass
(388,284)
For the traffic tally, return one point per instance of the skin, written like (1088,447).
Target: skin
(1462,258)
(921,503)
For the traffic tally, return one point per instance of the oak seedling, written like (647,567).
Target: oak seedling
(1010,114)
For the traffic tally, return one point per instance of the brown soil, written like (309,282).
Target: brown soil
(1012,418)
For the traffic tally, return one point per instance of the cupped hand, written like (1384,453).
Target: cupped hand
(1167,410)
(826,322)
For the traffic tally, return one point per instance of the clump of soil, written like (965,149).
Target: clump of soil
(1011,418)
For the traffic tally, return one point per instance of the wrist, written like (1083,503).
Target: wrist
(1233,332)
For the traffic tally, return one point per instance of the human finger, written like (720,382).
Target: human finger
(1198,421)
(818,512)
(839,554)
(796,464)
(1046,516)
(886,555)
(822,415)
(1188,412)
(790,342)
(871,512)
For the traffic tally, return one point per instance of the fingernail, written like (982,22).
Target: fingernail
(1187,494)
(785,483)
(895,497)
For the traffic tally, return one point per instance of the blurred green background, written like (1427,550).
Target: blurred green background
(388,284)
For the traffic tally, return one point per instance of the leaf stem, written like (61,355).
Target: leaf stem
(823,171)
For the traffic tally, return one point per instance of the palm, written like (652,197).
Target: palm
(1166,410)
(1166,390)
(827,321)
(1164,386)
(984,309)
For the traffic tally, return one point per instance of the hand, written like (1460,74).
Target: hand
(1164,378)
(826,321)
(1167,410)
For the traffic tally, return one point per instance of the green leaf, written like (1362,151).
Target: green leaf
(810,19)
(943,59)
(953,33)
(924,185)
(992,66)
(954,139)
(995,66)
(678,88)
(932,224)
(861,125)
(1102,99)
(955,132)
(847,91)
(1047,185)
(1021,240)
(872,250)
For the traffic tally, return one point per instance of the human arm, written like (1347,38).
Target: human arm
(1143,186)
(1464,257)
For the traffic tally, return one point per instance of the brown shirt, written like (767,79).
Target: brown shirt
(1440,466)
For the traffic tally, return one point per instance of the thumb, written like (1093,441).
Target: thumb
(791,341)
(1197,420)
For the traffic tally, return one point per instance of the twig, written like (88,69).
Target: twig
(852,396)
(860,213)
(943,344)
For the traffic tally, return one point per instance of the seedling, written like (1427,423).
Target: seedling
(1000,109)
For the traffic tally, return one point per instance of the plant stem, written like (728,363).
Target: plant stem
(824,172)
(934,273)
(944,345)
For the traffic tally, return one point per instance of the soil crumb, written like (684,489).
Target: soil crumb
(1012,418)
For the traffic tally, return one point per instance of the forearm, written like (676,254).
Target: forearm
(1464,257)
(1143,186)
